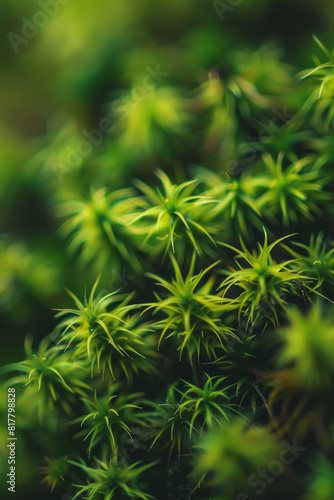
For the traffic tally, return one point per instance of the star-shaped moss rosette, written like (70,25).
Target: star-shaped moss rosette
(98,229)
(293,192)
(321,99)
(55,472)
(108,419)
(315,259)
(106,333)
(174,216)
(51,377)
(203,407)
(110,479)
(190,410)
(261,284)
(193,315)
(236,206)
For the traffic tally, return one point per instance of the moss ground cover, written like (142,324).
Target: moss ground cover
(166,253)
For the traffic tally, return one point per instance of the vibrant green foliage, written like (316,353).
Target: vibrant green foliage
(233,452)
(50,376)
(322,97)
(295,191)
(110,337)
(111,480)
(174,212)
(237,201)
(168,418)
(316,259)
(263,283)
(205,406)
(309,347)
(98,228)
(198,348)
(193,313)
(55,471)
(322,482)
(147,125)
(108,416)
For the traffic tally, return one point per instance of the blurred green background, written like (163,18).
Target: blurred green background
(62,65)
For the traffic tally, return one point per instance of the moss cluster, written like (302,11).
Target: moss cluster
(192,355)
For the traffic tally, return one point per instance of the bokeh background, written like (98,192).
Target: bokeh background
(63,78)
